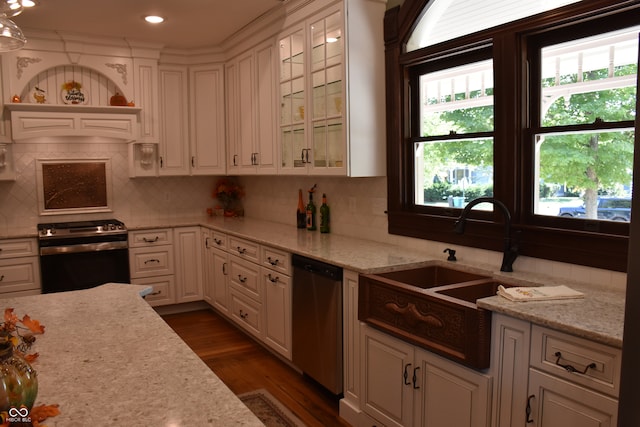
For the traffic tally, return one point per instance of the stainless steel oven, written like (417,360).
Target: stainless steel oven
(83,254)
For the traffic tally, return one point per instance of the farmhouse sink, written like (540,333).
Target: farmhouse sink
(433,307)
(430,276)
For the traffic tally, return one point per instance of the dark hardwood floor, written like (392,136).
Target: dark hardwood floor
(244,365)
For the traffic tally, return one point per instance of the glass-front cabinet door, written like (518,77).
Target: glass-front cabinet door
(294,153)
(327,70)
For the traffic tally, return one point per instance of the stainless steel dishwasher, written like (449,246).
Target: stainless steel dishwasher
(317,321)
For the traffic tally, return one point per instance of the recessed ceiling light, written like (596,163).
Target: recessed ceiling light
(153,19)
(28,3)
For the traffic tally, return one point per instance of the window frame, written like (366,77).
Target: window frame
(595,243)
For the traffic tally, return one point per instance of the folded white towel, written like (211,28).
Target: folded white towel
(538,293)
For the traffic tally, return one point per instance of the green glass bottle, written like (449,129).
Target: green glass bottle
(324,215)
(311,211)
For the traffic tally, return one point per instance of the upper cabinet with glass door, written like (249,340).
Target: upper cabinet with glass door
(332,113)
(292,101)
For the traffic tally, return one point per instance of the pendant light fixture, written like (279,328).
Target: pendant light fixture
(11,37)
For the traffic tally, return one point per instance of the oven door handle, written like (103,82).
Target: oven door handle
(85,247)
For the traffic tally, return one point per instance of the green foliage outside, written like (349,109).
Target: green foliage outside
(586,163)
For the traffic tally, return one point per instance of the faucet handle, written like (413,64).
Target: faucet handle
(452,254)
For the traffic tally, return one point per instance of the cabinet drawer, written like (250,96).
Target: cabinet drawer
(246,312)
(245,276)
(246,249)
(217,240)
(276,259)
(19,274)
(148,262)
(156,237)
(591,364)
(15,248)
(163,287)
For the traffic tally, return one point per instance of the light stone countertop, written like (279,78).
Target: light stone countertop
(107,358)
(599,316)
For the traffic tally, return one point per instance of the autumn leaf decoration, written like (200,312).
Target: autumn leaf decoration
(21,332)
(68,86)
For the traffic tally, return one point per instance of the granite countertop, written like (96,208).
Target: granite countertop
(366,256)
(107,358)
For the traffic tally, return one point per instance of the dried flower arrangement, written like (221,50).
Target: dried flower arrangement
(229,193)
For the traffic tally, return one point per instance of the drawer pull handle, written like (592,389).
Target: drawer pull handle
(242,279)
(224,269)
(273,279)
(415,378)
(1,278)
(217,241)
(151,240)
(273,262)
(152,293)
(528,409)
(152,260)
(570,368)
(241,250)
(243,314)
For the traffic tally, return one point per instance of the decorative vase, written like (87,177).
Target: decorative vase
(18,380)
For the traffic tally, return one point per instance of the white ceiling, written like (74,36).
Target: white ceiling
(189,23)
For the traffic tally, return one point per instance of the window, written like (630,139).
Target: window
(538,113)
(454,147)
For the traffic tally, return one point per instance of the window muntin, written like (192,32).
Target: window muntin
(588,87)
(454,148)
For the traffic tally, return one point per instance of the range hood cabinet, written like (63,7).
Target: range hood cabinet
(33,122)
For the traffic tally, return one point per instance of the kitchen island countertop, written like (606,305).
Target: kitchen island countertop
(107,358)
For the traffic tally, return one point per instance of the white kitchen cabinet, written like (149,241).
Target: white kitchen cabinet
(544,377)
(511,340)
(350,403)
(555,402)
(332,118)
(19,268)
(191,120)
(572,381)
(216,285)
(276,279)
(174,120)
(151,262)
(189,264)
(387,395)
(251,283)
(207,119)
(404,385)
(251,119)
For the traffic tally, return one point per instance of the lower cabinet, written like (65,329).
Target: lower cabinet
(151,262)
(547,378)
(251,284)
(216,271)
(19,267)
(189,271)
(404,385)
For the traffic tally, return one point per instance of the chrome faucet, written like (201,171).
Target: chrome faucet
(510,252)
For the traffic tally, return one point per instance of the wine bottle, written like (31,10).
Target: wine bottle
(301,213)
(324,215)
(311,211)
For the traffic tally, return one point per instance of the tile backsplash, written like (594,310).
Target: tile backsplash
(357,205)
